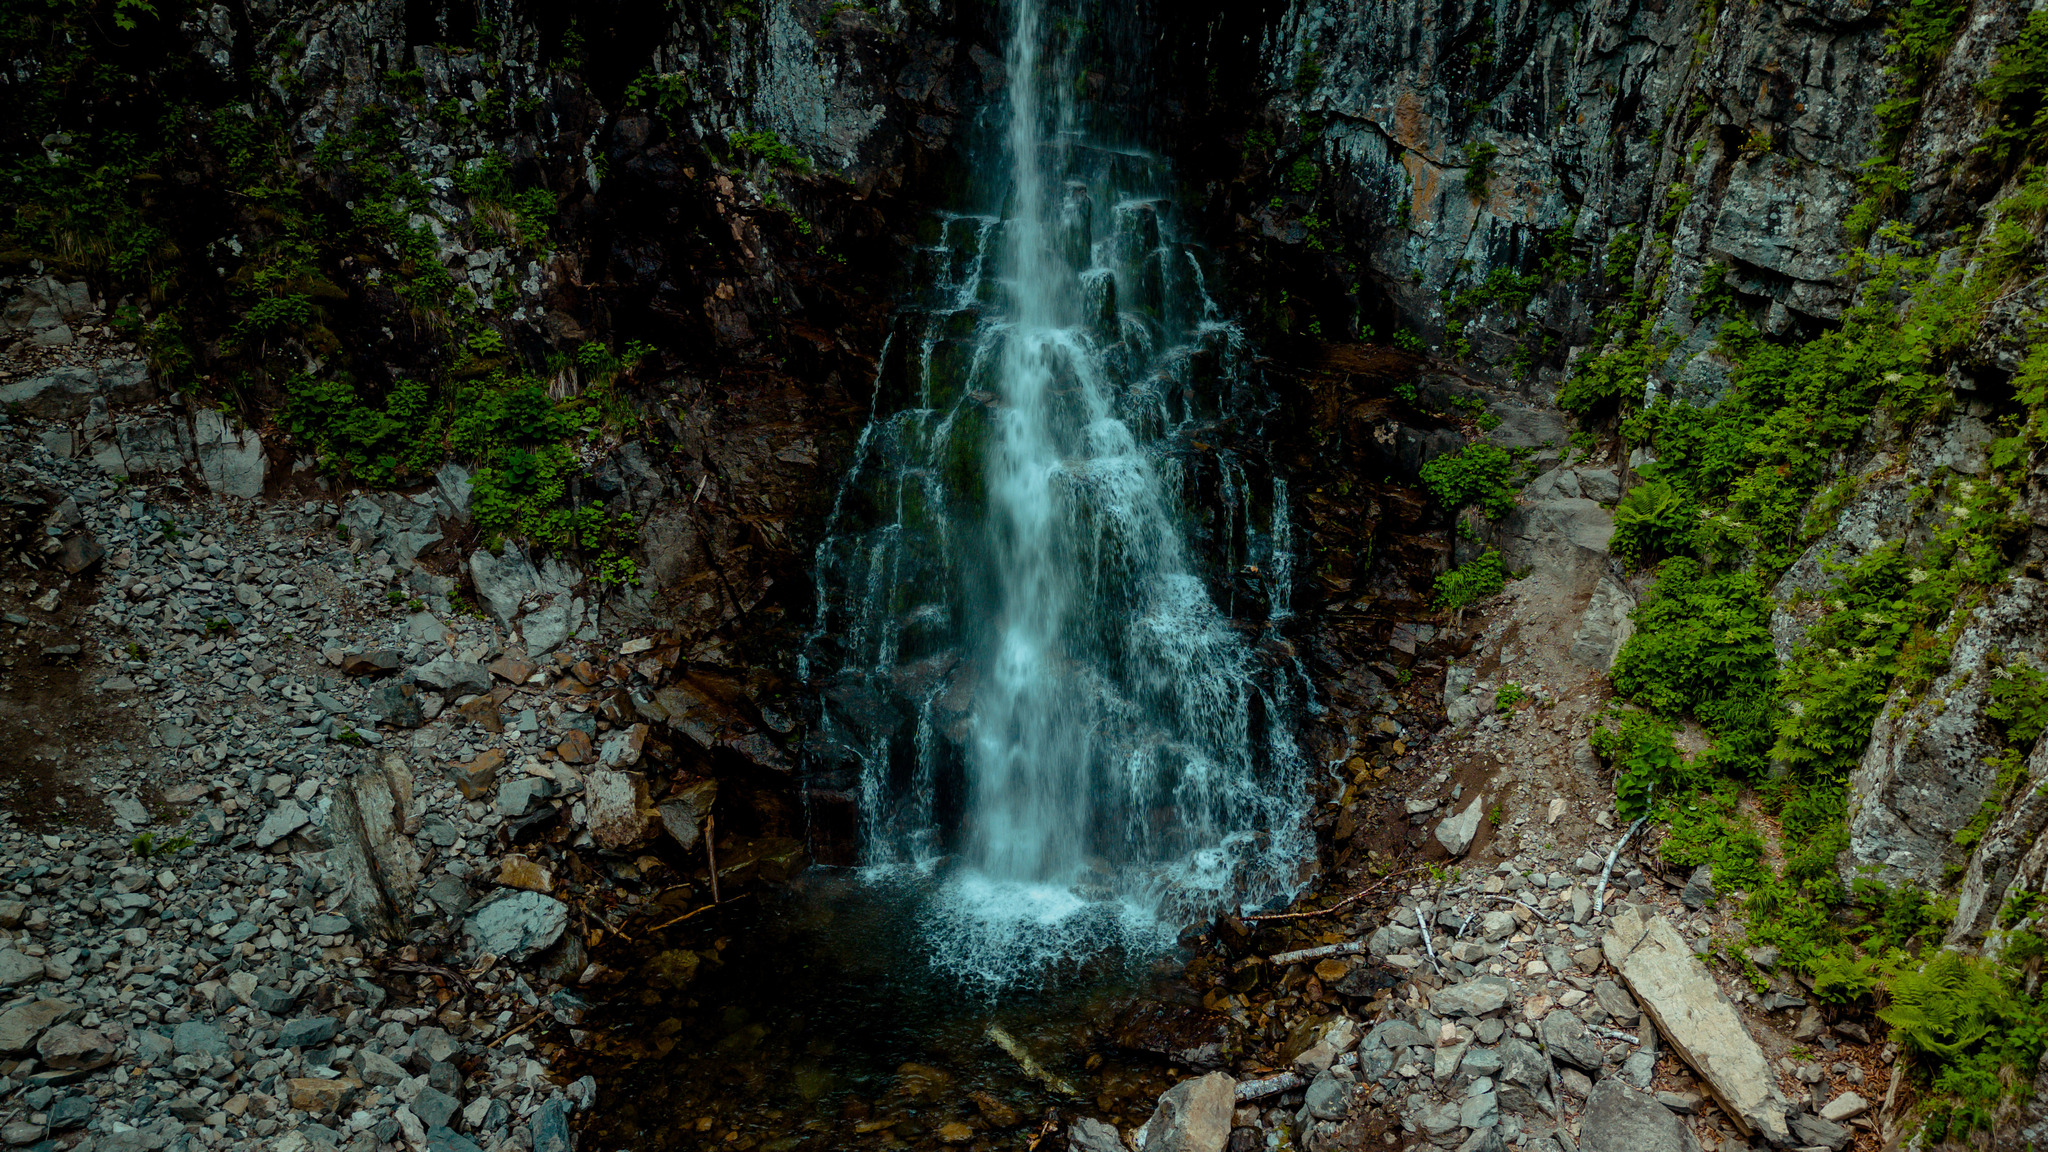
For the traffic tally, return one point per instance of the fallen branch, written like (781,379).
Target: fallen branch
(1525,904)
(530,1022)
(1427,945)
(1339,906)
(710,822)
(1027,1062)
(601,919)
(1285,1081)
(1317,953)
(420,968)
(1613,1034)
(1600,893)
(687,915)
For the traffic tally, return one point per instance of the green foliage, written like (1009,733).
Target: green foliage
(1408,340)
(2017,90)
(1304,175)
(1478,474)
(1479,156)
(1972,1031)
(1653,519)
(1647,763)
(1702,646)
(1471,582)
(1842,978)
(148,847)
(1308,73)
(489,183)
(1503,287)
(667,94)
(1715,297)
(2019,702)
(1509,695)
(766,146)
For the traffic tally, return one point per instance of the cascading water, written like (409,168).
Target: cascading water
(1043,587)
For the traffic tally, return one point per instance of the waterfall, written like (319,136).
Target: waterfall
(1046,576)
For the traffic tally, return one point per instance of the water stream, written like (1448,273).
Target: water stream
(1048,573)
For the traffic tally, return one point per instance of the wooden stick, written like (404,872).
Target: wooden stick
(687,915)
(1316,953)
(710,855)
(1525,904)
(1600,893)
(1285,1081)
(1346,902)
(1428,946)
(530,1022)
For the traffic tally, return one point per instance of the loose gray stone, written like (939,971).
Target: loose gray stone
(1475,997)
(516,925)
(199,1038)
(17,968)
(308,1033)
(1619,1119)
(283,820)
(434,1107)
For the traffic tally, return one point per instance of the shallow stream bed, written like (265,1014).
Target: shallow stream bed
(806,1018)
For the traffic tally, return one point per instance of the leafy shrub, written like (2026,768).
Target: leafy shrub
(1647,763)
(1470,582)
(1969,1026)
(1479,168)
(2019,702)
(1478,474)
(1702,646)
(2017,89)
(1653,519)
(766,145)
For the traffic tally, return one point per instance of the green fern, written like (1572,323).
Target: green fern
(1946,1006)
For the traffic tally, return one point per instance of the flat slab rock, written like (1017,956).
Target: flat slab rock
(1702,1024)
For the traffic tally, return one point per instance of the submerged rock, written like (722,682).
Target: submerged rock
(1179,1032)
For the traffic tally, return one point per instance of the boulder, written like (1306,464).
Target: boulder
(1604,626)
(1703,1027)
(231,459)
(1193,1116)
(451,677)
(546,629)
(1182,1033)
(67,1047)
(17,967)
(503,582)
(23,1023)
(65,394)
(365,826)
(1456,832)
(618,809)
(1618,1118)
(683,814)
(1565,1037)
(1087,1134)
